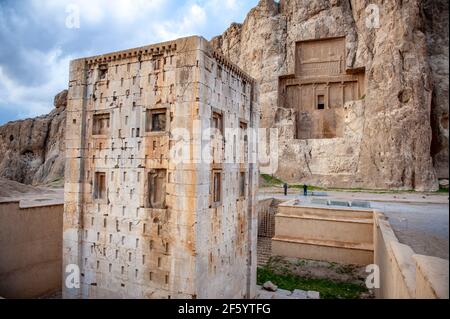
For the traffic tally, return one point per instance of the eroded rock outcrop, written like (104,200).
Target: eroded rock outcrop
(395,137)
(436,13)
(387,141)
(33,150)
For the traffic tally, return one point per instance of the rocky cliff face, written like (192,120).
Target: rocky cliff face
(32,150)
(388,136)
(395,137)
(436,13)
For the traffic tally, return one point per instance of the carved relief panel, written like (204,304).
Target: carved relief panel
(319,88)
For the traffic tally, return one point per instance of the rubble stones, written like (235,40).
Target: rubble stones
(269,286)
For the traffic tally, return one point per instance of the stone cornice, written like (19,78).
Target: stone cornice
(149,50)
(233,67)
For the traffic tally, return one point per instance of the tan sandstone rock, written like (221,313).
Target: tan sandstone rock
(395,137)
(436,13)
(387,140)
(33,150)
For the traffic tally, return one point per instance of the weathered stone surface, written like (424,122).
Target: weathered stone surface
(60,100)
(435,13)
(262,293)
(387,140)
(33,149)
(269,286)
(152,207)
(283,294)
(313,294)
(300,294)
(443,183)
(395,137)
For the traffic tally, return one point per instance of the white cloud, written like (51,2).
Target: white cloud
(35,100)
(34,62)
(96,12)
(219,5)
(126,13)
(192,19)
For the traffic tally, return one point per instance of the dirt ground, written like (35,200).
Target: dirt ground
(10,190)
(322,270)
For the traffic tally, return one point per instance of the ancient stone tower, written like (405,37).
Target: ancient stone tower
(147,215)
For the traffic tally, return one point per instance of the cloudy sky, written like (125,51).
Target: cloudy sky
(38,38)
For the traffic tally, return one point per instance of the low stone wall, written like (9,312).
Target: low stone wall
(358,236)
(335,234)
(404,274)
(431,277)
(30,249)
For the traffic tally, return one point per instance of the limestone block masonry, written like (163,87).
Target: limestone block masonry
(137,222)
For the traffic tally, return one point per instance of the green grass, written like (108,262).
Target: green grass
(310,187)
(271,180)
(442,190)
(328,289)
